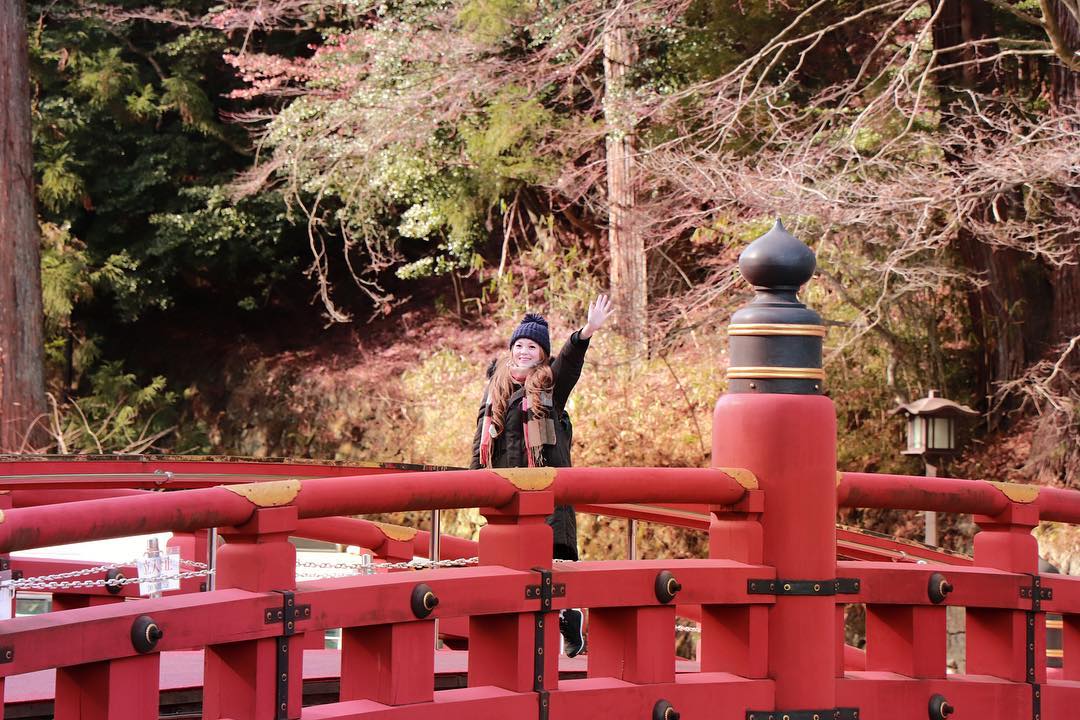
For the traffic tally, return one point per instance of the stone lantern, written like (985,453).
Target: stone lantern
(931,433)
(931,426)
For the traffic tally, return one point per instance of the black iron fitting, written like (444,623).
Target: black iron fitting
(423,600)
(7,654)
(768,586)
(1036,593)
(939,708)
(840,713)
(1029,647)
(281,688)
(544,592)
(145,634)
(544,700)
(288,615)
(938,588)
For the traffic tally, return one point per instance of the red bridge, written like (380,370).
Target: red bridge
(769,600)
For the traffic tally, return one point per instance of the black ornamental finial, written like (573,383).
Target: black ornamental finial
(775,340)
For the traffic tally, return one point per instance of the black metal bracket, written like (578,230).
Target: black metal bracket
(536,592)
(843,713)
(839,586)
(1036,593)
(543,592)
(7,654)
(287,615)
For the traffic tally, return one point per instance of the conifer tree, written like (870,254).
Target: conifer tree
(22,387)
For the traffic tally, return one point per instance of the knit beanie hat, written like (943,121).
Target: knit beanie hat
(535,328)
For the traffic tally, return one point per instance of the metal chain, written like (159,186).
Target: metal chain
(410,565)
(93,571)
(73,573)
(688,628)
(50,582)
(39,583)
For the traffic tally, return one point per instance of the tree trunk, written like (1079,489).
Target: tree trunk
(1065,83)
(629,288)
(999,308)
(22,385)
(1065,86)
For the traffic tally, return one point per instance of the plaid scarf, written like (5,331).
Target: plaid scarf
(537,431)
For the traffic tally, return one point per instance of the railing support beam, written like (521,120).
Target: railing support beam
(632,644)
(121,689)
(502,647)
(391,664)
(241,679)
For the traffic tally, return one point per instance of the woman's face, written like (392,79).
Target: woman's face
(525,353)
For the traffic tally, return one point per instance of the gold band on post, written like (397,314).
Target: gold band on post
(779,373)
(776,329)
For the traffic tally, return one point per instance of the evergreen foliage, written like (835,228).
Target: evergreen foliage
(133,165)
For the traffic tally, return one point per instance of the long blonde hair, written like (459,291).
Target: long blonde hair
(501,387)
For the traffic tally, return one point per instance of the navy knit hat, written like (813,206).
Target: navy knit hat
(535,328)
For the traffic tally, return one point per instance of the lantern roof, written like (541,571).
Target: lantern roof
(934,406)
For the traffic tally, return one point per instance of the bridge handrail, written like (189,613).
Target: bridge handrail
(190,510)
(979,497)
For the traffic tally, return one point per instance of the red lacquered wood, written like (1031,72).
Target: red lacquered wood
(121,689)
(390,664)
(635,644)
(789,443)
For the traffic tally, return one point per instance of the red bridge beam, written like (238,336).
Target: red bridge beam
(379,537)
(31,527)
(174,472)
(979,497)
(101,633)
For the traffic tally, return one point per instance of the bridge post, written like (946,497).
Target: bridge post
(241,678)
(193,546)
(735,637)
(502,647)
(997,638)
(775,422)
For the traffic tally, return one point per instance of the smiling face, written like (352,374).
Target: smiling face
(525,353)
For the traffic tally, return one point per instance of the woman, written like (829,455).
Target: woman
(523,421)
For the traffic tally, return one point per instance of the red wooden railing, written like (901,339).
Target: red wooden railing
(388,652)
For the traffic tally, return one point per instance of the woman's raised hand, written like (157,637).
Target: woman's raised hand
(600,310)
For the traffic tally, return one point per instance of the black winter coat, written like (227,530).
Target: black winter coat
(508,450)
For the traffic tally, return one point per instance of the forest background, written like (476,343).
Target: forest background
(304,227)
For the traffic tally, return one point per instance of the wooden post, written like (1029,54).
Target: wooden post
(502,647)
(121,689)
(998,639)
(241,679)
(774,422)
(735,638)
